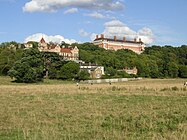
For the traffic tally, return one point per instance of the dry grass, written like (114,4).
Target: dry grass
(147,109)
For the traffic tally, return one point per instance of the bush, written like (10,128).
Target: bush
(83,75)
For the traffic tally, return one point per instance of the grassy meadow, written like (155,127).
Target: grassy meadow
(152,109)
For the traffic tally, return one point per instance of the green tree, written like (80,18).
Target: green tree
(7,59)
(110,71)
(52,63)
(34,44)
(29,69)
(154,72)
(183,71)
(83,75)
(143,69)
(123,74)
(173,69)
(68,71)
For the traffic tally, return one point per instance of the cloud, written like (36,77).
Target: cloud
(146,35)
(71,11)
(114,23)
(83,33)
(96,15)
(55,5)
(119,29)
(56,38)
(92,36)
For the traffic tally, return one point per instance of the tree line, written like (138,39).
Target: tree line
(154,62)
(30,65)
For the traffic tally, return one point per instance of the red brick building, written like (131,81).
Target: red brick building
(136,46)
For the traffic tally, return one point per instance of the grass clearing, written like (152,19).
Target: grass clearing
(146,109)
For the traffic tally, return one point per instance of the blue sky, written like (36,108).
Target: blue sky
(160,22)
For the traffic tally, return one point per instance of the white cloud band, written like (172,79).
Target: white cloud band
(54,5)
(119,29)
(56,39)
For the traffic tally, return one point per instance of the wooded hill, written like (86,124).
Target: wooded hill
(30,65)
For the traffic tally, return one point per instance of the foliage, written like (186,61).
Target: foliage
(52,64)
(82,75)
(8,57)
(68,71)
(29,69)
(183,71)
(154,62)
(34,44)
(173,69)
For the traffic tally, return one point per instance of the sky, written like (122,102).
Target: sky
(156,22)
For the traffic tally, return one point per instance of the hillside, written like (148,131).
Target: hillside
(154,62)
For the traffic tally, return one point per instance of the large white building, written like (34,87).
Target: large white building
(136,46)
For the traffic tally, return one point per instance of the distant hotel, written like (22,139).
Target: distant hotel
(136,46)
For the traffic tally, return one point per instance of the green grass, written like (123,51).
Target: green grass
(6,80)
(130,110)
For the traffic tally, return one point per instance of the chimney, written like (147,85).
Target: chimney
(115,38)
(102,35)
(124,38)
(135,40)
(140,40)
(97,36)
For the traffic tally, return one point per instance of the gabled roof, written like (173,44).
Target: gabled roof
(42,40)
(65,50)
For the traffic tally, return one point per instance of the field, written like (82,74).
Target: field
(146,109)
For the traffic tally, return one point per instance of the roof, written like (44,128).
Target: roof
(92,69)
(89,64)
(42,40)
(65,50)
(72,47)
(52,47)
(117,40)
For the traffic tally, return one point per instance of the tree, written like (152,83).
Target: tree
(173,69)
(143,69)
(68,71)
(52,63)
(83,75)
(154,72)
(111,71)
(123,74)
(183,71)
(7,59)
(34,44)
(29,69)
